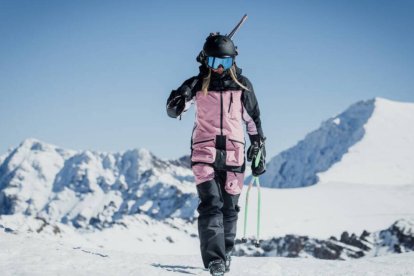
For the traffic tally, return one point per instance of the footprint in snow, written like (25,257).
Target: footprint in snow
(181,268)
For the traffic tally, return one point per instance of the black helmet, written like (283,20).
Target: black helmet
(218,45)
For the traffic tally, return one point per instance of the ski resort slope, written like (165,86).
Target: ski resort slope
(371,142)
(24,254)
(385,155)
(367,188)
(327,209)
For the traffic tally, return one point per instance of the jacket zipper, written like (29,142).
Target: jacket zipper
(231,101)
(221,113)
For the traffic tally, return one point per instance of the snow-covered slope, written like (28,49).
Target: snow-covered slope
(327,209)
(365,160)
(385,155)
(371,142)
(28,255)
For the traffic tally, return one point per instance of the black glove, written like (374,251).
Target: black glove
(177,99)
(256,144)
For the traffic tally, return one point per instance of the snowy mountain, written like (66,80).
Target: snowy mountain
(88,188)
(372,142)
(136,202)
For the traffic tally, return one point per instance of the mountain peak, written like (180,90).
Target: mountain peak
(385,153)
(33,143)
(387,103)
(383,127)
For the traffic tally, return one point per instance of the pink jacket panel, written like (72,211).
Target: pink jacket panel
(218,113)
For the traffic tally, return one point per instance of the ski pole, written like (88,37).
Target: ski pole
(246,206)
(255,179)
(257,243)
(256,163)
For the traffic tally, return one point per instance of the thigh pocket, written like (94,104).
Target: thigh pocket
(234,183)
(234,152)
(203,151)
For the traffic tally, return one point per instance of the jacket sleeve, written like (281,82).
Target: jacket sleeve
(181,99)
(251,112)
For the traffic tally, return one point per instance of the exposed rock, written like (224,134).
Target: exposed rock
(398,238)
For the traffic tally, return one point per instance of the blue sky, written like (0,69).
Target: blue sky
(96,74)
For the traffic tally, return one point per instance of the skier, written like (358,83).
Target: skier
(224,99)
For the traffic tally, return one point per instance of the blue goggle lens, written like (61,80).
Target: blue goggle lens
(215,62)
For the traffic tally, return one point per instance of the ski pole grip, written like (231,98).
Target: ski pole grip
(257,159)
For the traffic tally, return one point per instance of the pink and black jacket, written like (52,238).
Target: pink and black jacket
(218,134)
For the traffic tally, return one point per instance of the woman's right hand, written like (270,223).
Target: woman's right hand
(177,99)
(257,144)
(183,91)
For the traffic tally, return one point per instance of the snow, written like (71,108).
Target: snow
(385,155)
(372,142)
(27,255)
(327,209)
(135,234)
(336,121)
(42,180)
(35,164)
(361,162)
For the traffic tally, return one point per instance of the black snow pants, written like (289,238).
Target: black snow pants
(217,220)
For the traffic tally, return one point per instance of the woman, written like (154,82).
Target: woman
(224,99)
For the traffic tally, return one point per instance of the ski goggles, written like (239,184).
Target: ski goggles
(215,62)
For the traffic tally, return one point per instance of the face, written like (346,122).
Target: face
(219,70)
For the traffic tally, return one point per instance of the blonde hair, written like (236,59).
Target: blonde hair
(206,80)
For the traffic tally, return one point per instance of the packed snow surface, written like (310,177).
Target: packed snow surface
(27,255)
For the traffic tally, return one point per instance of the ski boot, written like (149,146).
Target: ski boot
(228,261)
(217,267)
